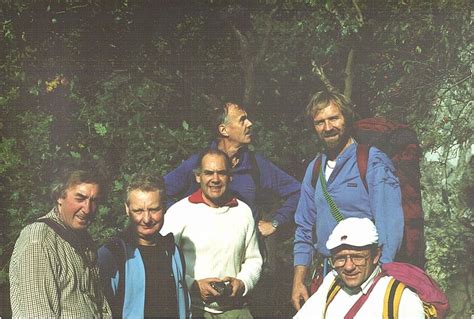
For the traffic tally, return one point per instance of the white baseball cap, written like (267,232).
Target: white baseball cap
(357,232)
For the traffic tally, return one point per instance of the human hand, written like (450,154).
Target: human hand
(266,228)
(299,295)
(238,286)
(206,291)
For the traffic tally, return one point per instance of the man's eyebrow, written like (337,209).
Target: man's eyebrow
(84,196)
(222,171)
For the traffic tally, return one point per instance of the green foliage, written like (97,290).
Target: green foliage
(121,85)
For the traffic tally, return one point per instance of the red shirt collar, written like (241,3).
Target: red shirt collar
(197,198)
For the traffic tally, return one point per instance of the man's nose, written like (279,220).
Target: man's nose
(349,265)
(146,216)
(249,123)
(87,206)
(327,125)
(216,177)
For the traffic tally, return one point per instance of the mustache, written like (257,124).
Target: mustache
(330,133)
(149,224)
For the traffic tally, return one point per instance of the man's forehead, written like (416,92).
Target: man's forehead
(234,110)
(84,188)
(213,161)
(328,110)
(348,250)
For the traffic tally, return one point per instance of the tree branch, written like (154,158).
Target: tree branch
(359,17)
(349,80)
(266,39)
(318,70)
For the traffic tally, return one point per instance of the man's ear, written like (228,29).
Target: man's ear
(197,177)
(127,210)
(222,130)
(378,253)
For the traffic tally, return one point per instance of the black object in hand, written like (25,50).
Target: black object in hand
(224,288)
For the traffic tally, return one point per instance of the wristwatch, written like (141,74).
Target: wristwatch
(275,223)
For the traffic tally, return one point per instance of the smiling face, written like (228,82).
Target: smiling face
(237,127)
(330,126)
(146,214)
(351,274)
(214,178)
(78,205)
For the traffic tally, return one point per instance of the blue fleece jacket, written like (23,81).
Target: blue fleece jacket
(134,296)
(181,183)
(381,203)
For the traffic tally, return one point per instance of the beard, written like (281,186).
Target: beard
(338,138)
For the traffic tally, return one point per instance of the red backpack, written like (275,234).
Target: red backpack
(400,143)
(435,302)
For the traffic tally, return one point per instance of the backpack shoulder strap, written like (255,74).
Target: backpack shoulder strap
(332,292)
(392,298)
(315,173)
(362,153)
(254,170)
(68,236)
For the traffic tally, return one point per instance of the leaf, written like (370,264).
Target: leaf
(185,125)
(75,155)
(100,129)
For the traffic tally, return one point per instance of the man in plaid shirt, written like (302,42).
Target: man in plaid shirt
(53,269)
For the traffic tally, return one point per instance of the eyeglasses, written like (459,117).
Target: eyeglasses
(340,261)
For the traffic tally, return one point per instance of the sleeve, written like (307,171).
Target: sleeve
(252,264)
(283,185)
(385,203)
(109,275)
(34,268)
(174,223)
(180,182)
(410,306)
(305,219)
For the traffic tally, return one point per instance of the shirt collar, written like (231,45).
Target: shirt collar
(366,285)
(242,155)
(197,198)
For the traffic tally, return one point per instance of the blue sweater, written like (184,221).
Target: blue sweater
(382,203)
(181,183)
(134,296)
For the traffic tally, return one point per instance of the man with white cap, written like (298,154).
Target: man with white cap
(355,288)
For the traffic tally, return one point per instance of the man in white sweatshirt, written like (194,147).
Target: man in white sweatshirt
(216,233)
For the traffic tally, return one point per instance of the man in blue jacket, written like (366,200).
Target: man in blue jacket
(141,270)
(332,118)
(234,134)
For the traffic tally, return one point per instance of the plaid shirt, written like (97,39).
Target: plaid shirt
(49,278)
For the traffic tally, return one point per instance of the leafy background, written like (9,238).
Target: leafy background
(123,84)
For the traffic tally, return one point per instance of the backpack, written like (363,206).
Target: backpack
(435,302)
(401,145)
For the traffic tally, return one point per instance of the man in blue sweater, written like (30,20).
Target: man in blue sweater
(234,134)
(332,117)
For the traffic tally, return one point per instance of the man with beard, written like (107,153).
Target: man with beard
(53,269)
(253,175)
(339,181)
(143,271)
(217,235)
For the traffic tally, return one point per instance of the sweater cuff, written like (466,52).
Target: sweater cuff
(302,259)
